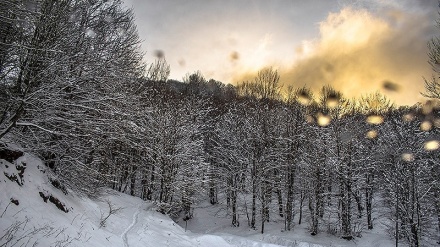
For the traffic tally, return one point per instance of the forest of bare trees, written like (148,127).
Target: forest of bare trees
(74,91)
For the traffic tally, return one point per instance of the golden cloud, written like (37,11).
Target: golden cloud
(359,52)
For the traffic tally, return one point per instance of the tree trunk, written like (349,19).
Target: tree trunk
(279,193)
(144,185)
(289,203)
(369,199)
(254,195)
(212,190)
(301,202)
(346,211)
(437,209)
(313,214)
(233,199)
(151,184)
(267,199)
(235,221)
(133,181)
(358,199)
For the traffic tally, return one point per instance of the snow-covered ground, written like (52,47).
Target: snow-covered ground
(135,223)
(210,219)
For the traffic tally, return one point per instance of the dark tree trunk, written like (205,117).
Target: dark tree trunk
(254,195)
(133,181)
(267,199)
(212,191)
(232,191)
(313,214)
(358,200)
(289,203)
(235,221)
(369,200)
(151,184)
(162,190)
(437,209)
(346,193)
(301,202)
(279,193)
(144,185)
(346,211)
(212,185)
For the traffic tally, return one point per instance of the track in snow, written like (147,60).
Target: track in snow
(134,221)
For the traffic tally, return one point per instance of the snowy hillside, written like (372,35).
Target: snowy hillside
(27,220)
(36,211)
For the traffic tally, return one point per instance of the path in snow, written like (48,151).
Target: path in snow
(135,220)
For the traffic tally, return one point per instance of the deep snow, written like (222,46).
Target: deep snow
(136,224)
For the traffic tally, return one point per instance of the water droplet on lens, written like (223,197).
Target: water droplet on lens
(90,33)
(234,56)
(374,119)
(437,122)
(332,101)
(371,134)
(159,54)
(428,107)
(426,125)
(408,157)
(304,97)
(431,145)
(323,120)
(409,117)
(390,86)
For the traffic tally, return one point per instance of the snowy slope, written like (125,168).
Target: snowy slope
(34,221)
(135,223)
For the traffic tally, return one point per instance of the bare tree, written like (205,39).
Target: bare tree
(264,86)
(432,86)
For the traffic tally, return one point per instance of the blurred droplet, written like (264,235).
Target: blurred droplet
(374,119)
(426,125)
(371,134)
(323,120)
(304,98)
(332,101)
(409,117)
(390,86)
(431,145)
(437,122)
(310,119)
(182,62)
(159,54)
(329,68)
(90,33)
(429,106)
(234,56)
(408,157)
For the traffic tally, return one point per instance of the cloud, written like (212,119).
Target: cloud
(359,52)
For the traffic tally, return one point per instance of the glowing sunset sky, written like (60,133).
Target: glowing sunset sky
(355,45)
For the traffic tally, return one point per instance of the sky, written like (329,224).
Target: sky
(357,46)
